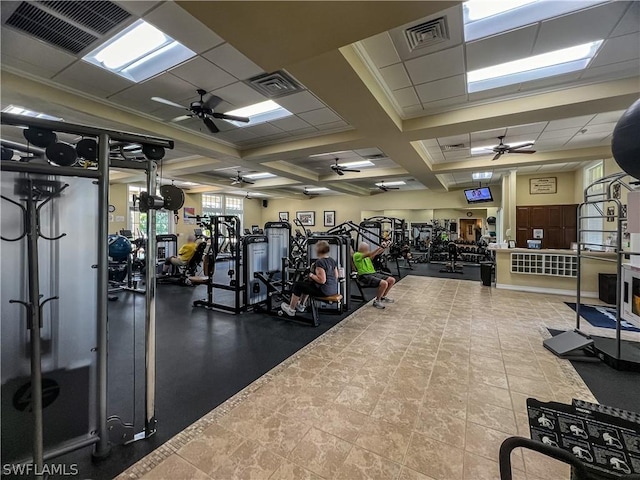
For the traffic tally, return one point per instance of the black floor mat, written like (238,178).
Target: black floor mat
(611,387)
(203,358)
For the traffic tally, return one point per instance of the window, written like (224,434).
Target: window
(138,219)
(212,205)
(234,206)
(222,205)
(594,239)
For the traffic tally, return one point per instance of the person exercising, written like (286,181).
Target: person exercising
(322,281)
(367,274)
(185,254)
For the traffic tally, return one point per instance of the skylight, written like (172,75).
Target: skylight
(482,175)
(17,110)
(488,150)
(479,9)
(533,68)
(259,113)
(359,164)
(139,52)
(259,176)
(391,184)
(317,189)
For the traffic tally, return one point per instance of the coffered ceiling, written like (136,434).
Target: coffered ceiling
(362,94)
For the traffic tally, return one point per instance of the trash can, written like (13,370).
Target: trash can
(486,272)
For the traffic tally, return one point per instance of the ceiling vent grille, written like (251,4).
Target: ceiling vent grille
(99,16)
(274,85)
(375,156)
(454,147)
(427,34)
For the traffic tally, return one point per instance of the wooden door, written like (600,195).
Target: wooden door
(522,226)
(570,221)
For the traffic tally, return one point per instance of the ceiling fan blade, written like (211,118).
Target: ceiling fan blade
(212,102)
(339,172)
(497,156)
(393,188)
(181,118)
(210,125)
(522,151)
(349,170)
(168,102)
(224,116)
(524,145)
(249,182)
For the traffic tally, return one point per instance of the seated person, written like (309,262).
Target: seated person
(322,281)
(185,254)
(369,277)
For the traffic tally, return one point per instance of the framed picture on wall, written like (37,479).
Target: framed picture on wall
(329,218)
(544,185)
(283,216)
(307,218)
(512,244)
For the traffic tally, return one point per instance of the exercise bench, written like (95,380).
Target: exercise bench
(314,301)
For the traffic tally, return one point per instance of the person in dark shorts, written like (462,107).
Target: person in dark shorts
(322,281)
(368,276)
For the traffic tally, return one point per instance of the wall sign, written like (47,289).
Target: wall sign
(545,185)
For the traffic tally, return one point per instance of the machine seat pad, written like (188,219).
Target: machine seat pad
(198,280)
(330,299)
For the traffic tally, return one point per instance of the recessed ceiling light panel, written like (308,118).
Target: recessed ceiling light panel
(16,110)
(391,184)
(260,176)
(482,175)
(259,113)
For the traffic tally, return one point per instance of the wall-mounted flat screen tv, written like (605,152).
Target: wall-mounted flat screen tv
(478,195)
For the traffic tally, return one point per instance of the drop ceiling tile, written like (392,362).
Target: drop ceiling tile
(531,128)
(614,71)
(320,116)
(236,135)
(203,74)
(232,61)
(431,142)
(565,133)
(381,50)
(454,140)
(494,92)
(447,102)
(333,125)
(488,134)
(300,102)
(441,89)
(363,152)
(303,131)
(587,138)
(605,128)
(580,27)
(550,81)
(137,8)
(412,110)
(630,21)
(501,48)
(239,95)
(406,97)
(395,76)
(90,79)
(619,49)
(166,85)
(606,117)
(550,144)
(31,55)
(428,68)
(569,123)
(290,123)
(262,129)
(457,155)
(176,22)
(487,142)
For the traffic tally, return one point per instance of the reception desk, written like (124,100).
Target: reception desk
(550,271)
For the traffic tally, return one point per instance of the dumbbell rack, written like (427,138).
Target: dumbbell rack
(36,194)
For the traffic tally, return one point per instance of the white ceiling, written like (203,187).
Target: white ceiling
(575,132)
(433,79)
(321,163)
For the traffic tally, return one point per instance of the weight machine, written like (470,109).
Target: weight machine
(66,370)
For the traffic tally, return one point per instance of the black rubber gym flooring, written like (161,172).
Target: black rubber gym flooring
(203,358)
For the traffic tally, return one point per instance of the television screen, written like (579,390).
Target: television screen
(478,195)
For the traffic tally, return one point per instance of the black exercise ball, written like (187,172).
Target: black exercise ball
(625,143)
(61,154)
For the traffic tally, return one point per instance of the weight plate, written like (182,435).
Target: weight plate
(61,154)
(7,153)
(87,148)
(153,152)
(173,197)
(39,137)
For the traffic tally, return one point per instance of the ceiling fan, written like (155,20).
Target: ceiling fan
(384,188)
(203,109)
(239,180)
(310,194)
(502,148)
(339,169)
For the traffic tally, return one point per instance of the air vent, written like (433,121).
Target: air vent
(274,85)
(427,34)
(454,147)
(376,156)
(99,16)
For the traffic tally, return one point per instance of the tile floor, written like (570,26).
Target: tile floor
(425,390)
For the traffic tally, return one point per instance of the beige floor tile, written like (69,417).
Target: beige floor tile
(408,474)
(491,395)
(394,409)
(487,363)
(341,421)
(479,468)
(360,399)
(365,465)
(435,459)
(243,418)
(280,433)
(291,471)
(209,449)
(481,375)
(491,416)
(175,467)
(529,386)
(321,452)
(486,442)
(249,461)
(441,426)
(384,438)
